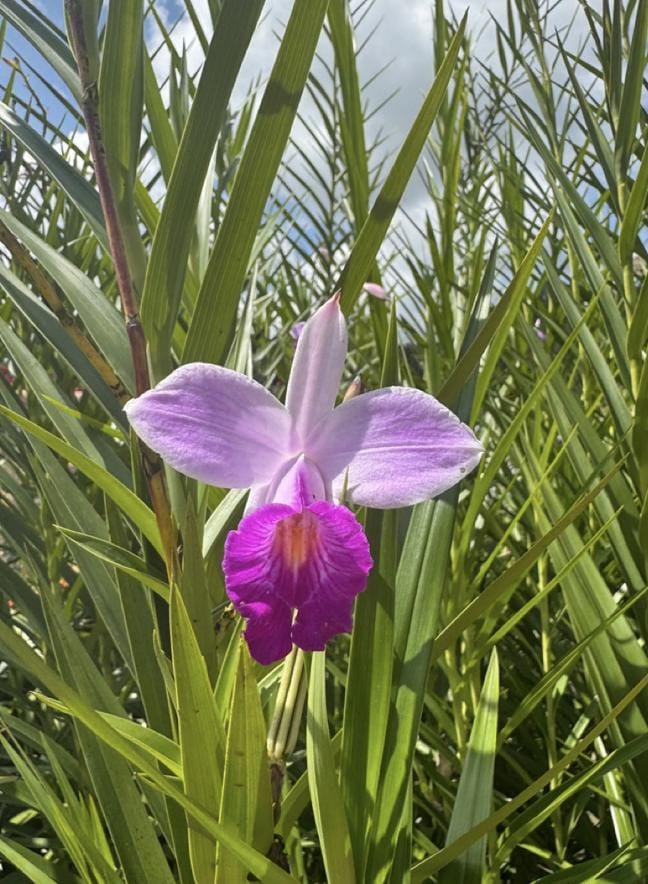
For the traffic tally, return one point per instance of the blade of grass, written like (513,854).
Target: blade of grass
(370,238)
(166,267)
(475,791)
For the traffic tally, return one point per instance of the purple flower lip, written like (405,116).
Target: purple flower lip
(296,550)
(313,560)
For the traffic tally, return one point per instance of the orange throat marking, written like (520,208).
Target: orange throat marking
(297,538)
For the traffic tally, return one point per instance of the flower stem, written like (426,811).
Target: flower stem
(284,727)
(282,735)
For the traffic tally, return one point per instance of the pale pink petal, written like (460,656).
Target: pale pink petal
(317,367)
(215,425)
(376,291)
(400,446)
(300,485)
(297,482)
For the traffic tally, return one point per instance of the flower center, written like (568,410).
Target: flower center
(297,538)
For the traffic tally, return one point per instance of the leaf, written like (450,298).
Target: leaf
(121,100)
(35,666)
(475,791)
(514,574)
(631,221)
(369,674)
(227,510)
(99,316)
(615,656)
(630,106)
(543,807)
(43,37)
(45,322)
(131,505)
(93,446)
(120,558)
(30,863)
(246,801)
(591,870)
(497,324)
(638,330)
(373,232)
(77,188)
(67,505)
(167,263)
(607,381)
(135,838)
(195,590)
(67,818)
(215,310)
(198,727)
(326,798)
(421,577)
(352,122)
(590,265)
(152,743)
(423,870)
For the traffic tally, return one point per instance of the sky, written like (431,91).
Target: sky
(402,40)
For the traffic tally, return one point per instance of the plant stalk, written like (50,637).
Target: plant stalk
(151,463)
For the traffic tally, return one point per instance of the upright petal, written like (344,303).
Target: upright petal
(317,367)
(214,424)
(400,446)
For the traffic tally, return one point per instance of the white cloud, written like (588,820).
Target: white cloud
(403,40)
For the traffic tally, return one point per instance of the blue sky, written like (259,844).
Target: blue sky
(403,38)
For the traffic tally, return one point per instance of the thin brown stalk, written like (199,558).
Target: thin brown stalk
(151,463)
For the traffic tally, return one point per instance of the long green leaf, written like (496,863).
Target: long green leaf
(211,325)
(373,232)
(322,781)
(33,664)
(77,188)
(475,790)
(166,268)
(123,496)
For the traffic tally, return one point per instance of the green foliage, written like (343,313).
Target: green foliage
(486,721)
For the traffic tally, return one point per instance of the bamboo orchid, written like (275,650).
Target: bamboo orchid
(296,550)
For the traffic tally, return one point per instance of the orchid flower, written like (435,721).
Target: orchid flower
(297,560)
